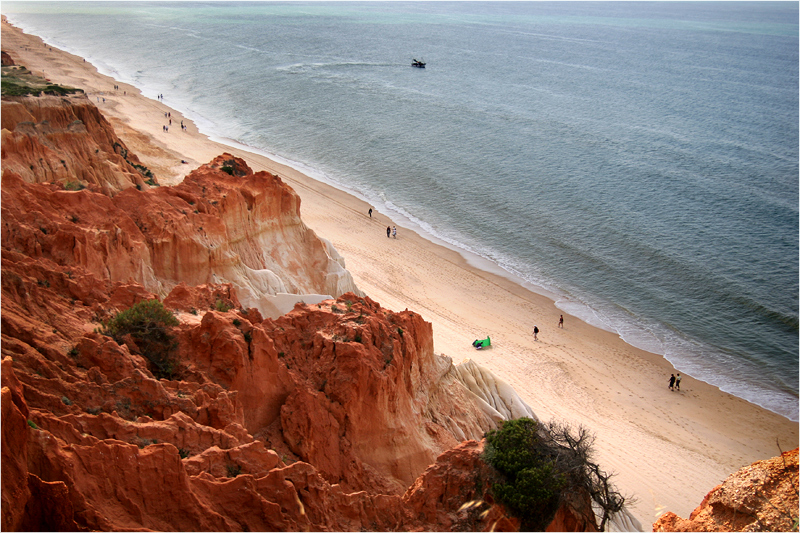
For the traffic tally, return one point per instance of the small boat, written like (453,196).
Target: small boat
(418,64)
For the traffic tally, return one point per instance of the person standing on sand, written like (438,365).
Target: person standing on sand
(535,333)
(678,382)
(561,321)
(388,231)
(671,382)
(394,231)
(370,212)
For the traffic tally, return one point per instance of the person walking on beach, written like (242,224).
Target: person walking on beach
(370,212)
(388,231)
(535,333)
(672,382)
(678,382)
(394,231)
(561,321)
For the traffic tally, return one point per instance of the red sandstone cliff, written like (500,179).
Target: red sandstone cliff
(222,224)
(319,419)
(212,228)
(65,139)
(759,497)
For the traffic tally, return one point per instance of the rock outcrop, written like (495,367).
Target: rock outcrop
(6,59)
(318,420)
(66,140)
(759,497)
(226,224)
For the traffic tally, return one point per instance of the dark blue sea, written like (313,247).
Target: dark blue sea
(639,161)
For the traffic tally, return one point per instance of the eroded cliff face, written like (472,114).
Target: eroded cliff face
(65,139)
(242,228)
(759,497)
(319,419)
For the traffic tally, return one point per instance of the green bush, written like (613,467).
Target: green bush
(148,323)
(532,485)
(222,307)
(543,463)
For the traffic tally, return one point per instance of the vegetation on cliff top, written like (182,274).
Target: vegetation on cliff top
(542,465)
(19,81)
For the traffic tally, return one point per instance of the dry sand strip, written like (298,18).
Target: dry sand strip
(667,448)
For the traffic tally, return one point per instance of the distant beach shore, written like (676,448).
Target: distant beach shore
(668,448)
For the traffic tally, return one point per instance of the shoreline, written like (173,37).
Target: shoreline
(669,455)
(562,302)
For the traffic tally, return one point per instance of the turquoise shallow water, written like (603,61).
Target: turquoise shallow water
(638,160)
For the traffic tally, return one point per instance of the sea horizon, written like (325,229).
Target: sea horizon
(652,196)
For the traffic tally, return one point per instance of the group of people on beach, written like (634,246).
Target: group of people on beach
(391,231)
(536,328)
(675,382)
(165,127)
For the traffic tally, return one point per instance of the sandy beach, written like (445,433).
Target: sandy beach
(667,448)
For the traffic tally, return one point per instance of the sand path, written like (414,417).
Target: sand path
(668,448)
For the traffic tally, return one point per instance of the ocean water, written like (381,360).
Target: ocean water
(637,160)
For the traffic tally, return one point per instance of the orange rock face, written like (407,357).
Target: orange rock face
(759,497)
(66,139)
(118,449)
(213,228)
(454,493)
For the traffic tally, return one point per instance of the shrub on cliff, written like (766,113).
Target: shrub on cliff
(541,465)
(532,485)
(19,81)
(148,324)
